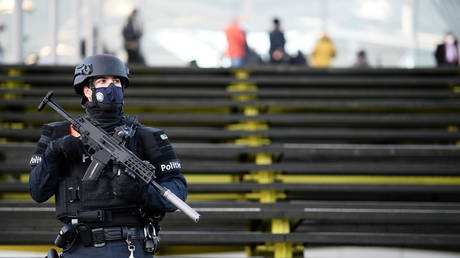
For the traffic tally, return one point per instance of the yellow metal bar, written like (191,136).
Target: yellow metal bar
(14,72)
(15,196)
(261,176)
(250,111)
(268,247)
(248,250)
(280,226)
(452,128)
(253,140)
(249,125)
(263,158)
(8,85)
(211,178)
(283,250)
(10,96)
(24,178)
(241,74)
(12,125)
(358,179)
(242,87)
(244,97)
(243,91)
(298,249)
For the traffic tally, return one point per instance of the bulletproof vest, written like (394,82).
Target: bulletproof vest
(90,202)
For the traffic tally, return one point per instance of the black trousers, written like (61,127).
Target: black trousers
(112,249)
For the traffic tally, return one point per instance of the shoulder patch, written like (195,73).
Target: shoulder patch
(170,165)
(35,160)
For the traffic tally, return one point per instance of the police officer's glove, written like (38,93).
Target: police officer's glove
(130,189)
(69,146)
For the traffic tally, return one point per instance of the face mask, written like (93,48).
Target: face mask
(107,106)
(109,95)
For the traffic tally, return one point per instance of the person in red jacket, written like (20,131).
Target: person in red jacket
(236,41)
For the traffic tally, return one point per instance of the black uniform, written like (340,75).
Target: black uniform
(93,205)
(104,217)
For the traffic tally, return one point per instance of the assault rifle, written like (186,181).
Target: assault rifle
(106,147)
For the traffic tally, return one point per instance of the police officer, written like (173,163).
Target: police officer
(117,215)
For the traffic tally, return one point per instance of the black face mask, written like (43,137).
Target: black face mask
(106,107)
(108,97)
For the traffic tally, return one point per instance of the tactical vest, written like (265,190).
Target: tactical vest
(93,202)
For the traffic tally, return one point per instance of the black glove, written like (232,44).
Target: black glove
(129,189)
(69,146)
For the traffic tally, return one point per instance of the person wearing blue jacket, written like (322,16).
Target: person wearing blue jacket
(116,215)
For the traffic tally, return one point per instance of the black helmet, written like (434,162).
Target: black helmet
(99,65)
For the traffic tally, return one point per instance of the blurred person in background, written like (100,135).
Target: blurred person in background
(300,59)
(446,54)
(252,58)
(236,43)
(277,42)
(361,60)
(279,57)
(132,34)
(323,52)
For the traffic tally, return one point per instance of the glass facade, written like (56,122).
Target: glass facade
(393,33)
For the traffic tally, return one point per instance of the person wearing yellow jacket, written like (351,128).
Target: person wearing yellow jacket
(323,52)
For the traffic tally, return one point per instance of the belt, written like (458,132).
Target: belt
(98,236)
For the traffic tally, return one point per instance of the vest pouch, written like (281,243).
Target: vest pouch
(67,197)
(96,195)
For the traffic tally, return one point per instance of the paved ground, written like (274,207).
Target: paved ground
(312,252)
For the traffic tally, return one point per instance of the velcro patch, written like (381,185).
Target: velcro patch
(35,160)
